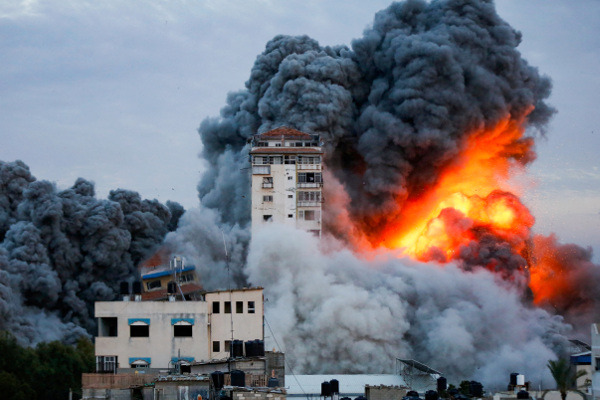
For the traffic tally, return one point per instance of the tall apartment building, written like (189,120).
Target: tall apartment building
(287,179)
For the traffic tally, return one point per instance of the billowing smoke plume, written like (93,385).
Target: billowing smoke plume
(336,312)
(395,111)
(62,250)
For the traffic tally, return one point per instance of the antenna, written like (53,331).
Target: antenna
(228,286)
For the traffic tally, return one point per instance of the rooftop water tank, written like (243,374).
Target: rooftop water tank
(513,378)
(237,348)
(335,386)
(259,346)
(326,389)
(250,348)
(442,384)
(218,379)
(124,288)
(137,287)
(238,378)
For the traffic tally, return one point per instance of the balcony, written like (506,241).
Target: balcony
(309,203)
(310,184)
(309,166)
(267,185)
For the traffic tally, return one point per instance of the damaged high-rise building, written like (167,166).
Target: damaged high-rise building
(287,179)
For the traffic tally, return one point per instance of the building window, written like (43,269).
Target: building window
(309,160)
(250,307)
(183,330)
(186,278)
(153,285)
(267,182)
(268,199)
(139,362)
(268,218)
(106,364)
(216,346)
(228,346)
(261,170)
(597,363)
(139,330)
(289,159)
(107,327)
(227,308)
(239,307)
(310,177)
(309,196)
(260,160)
(290,196)
(290,215)
(216,307)
(309,215)
(139,327)
(290,178)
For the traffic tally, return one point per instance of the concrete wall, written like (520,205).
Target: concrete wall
(246,326)
(116,394)
(385,392)
(244,395)
(180,390)
(284,207)
(161,345)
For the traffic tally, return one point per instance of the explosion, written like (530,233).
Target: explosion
(471,198)
(425,121)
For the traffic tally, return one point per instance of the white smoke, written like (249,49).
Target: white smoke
(332,311)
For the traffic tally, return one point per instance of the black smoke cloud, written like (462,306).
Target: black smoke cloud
(393,111)
(61,250)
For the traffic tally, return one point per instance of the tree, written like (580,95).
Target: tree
(564,374)
(45,372)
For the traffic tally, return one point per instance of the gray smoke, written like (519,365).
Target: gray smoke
(61,250)
(393,111)
(334,312)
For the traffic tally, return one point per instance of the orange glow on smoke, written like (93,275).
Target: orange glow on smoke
(471,195)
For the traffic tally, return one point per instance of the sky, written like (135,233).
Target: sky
(114,91)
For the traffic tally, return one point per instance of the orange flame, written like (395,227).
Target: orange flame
(472,194)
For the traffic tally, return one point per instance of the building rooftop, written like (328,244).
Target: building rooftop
(291,150)
(236,290)
(349,384)
(285,133)
(161,294)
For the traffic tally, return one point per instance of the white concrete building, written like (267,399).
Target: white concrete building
(287,179)
(156,334)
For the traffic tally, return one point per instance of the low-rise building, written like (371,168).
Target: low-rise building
(157,335)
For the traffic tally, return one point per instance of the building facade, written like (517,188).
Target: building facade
(287,179)
(160,334)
